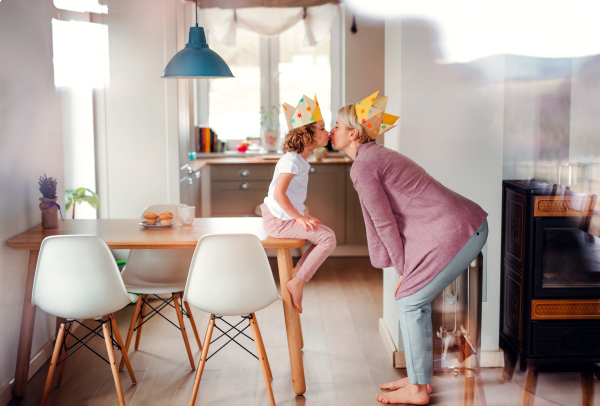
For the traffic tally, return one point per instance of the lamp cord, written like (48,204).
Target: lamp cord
(196,13)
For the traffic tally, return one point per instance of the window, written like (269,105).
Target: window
(304,70)
(268,71)
(234,104)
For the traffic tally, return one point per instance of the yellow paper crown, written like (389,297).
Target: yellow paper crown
(307,112)
(372,116)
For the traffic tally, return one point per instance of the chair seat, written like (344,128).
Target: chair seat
(148,288)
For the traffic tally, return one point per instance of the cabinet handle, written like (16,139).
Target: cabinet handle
(245,173)
(190,170)
(191,181)
(313,169)
(244,186)
(197,175)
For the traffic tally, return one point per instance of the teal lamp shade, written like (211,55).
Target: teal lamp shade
(196,60)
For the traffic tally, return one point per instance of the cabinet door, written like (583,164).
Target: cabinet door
(237,198)
(326,197)
(356,232)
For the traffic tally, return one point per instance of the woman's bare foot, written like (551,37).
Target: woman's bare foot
(410,394)
(295,287)
(400,384)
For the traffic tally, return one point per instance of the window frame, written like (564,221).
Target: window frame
(269,75)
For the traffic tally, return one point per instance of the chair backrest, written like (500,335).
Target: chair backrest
(76,277)
(157,267)
(159,208)
(230,275)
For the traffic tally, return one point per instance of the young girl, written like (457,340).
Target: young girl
(283,209)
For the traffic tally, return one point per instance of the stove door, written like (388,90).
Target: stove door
(566,260)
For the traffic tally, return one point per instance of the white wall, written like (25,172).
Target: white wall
(140,161)
(364,56)
(451,123)
(31,143)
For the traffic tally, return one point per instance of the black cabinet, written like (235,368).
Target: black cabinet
(550,284)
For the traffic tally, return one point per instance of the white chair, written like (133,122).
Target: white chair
(230,275)
(159,272)
(76,277)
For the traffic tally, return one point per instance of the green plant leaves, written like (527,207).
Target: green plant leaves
(79,195)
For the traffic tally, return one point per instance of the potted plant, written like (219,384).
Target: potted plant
(269,125)
(79,195)
(48,204)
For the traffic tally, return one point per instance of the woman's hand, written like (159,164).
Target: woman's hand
(398,285)
(308,222)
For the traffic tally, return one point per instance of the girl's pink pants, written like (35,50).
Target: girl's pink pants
(322,241)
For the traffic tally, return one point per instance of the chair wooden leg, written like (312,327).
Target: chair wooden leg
(183,332)
(188,309)
(113,363)
(134,319)
(61,368)
(53,361)
(124,357)
(262,356)
(138,333)
(207,337)
(262,348)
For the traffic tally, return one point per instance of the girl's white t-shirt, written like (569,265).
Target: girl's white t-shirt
(291,162)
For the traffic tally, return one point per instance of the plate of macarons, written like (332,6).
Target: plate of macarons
(162,220)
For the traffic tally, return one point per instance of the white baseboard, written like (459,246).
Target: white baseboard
(397,357)
(36,362)
(492,359)
(488,359)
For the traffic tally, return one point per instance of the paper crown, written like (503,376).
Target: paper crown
(307,112)
(372,116)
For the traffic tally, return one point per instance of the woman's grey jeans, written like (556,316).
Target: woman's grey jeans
(414,311)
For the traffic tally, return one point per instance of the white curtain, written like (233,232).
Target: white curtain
(222,23)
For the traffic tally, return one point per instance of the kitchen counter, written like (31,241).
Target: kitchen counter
(235,185)
(202,162)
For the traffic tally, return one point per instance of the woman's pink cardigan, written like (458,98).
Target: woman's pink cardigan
(413,222)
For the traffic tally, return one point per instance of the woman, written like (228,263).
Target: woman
(426,231)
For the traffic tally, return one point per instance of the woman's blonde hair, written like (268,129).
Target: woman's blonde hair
(347,116)
(299,138)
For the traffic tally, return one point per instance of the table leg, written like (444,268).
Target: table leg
(26,334)
(300,332)
(292,326)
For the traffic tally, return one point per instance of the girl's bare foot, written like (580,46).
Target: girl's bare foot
(410,394)
(295,287)
(400,384)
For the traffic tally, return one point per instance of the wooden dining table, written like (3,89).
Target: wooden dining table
(128,234)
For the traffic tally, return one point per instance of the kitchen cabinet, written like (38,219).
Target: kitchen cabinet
(356,232)
(326,197)
(236,190)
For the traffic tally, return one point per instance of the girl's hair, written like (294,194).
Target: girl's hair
(347,116)
(298,138)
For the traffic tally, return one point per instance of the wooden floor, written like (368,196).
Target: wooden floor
(344,360)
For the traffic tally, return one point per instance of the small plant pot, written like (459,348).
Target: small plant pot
(49,213)
(270,140)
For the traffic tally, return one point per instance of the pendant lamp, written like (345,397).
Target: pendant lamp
(196,60)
